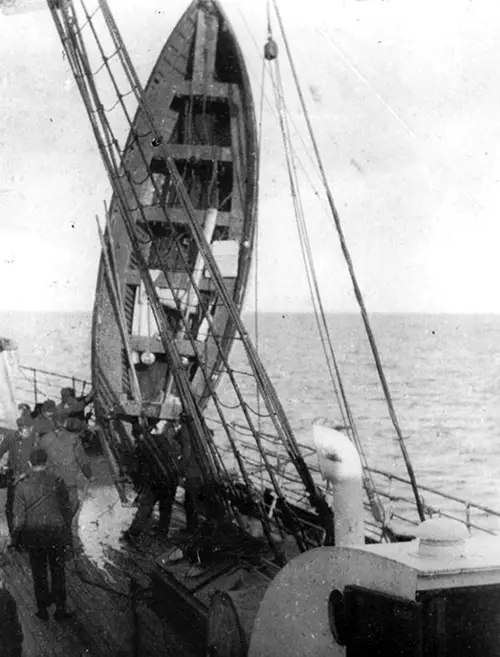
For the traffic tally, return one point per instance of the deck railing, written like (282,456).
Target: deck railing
(392,490)
(35,386)
(474,516)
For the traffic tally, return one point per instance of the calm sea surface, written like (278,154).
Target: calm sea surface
(443,372)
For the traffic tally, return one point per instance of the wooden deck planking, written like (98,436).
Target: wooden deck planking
(96,607)
(103,624)
(41,639)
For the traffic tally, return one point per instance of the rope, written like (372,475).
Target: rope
(322,327)
(120,178)
(271,107)
(319,311)
(398,118)
(357,290)
(283,427)
(256,261)
(110,165)
(78,59)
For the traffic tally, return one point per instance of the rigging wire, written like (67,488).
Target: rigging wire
(256,240)
(121,197)
(274,406)
(81,67)
(320,315)
(370,487)
(398,118)
(273,110)
(357,290)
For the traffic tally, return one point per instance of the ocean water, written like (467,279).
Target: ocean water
(443,373)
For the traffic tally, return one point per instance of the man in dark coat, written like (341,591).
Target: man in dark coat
(199,496)
(155,482)
(192,474)
(72,408)
(18,444)
(42,524)
(45,422)
(11,634)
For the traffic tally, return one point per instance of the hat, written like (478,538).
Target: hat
(23,407)
(25,420)
(49,406)
(38,456)
(67,392)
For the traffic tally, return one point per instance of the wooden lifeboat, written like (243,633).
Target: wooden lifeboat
(199,94)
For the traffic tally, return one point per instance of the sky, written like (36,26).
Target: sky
(403,96)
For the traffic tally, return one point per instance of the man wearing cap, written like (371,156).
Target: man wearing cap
(199,498)
(42,524)
(156,478)
(67,459)
(45,422)
(72,407)
(18,445)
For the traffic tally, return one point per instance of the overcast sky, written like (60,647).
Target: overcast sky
(404,96)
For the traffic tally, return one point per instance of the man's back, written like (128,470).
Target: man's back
(43,425)
(71,407)
(41,503)
(66,456)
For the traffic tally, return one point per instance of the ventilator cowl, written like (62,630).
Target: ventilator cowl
(441,537)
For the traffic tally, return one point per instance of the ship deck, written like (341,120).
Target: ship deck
(105,622)
(128,600)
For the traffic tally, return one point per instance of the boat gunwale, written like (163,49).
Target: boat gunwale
(249,199)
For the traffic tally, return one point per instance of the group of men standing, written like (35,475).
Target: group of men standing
(163,459)
(42,501)
(44,481)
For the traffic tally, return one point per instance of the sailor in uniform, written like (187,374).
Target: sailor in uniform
(42,525)
(45,422)
(18,444)
(192,475)
(72,409)
(156,479)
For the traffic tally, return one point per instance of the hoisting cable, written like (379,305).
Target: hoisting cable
(271,107)
(81,68)
(111,141)
(111,166)
(375,501)
(177,301)
(256,234)
(323,329)
(274,406)
(357,290)
(303,237)
(120,191)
